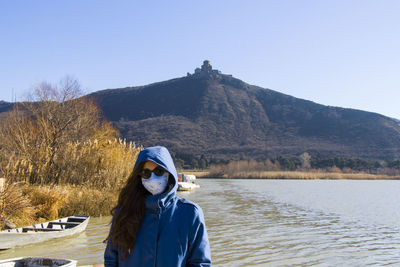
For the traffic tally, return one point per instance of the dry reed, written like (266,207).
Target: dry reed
(27,204)
(98,164)
(46,200)
(91,174)
(60,157)
(269,170)
(89,201)
(15,206)
(308,175)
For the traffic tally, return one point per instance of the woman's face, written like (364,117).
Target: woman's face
(149,168)
(154,178)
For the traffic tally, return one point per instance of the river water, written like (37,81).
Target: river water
(275,223)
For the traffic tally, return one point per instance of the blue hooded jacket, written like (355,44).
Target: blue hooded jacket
(172,233)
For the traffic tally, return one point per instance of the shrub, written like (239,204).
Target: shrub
(89,201)
(15,205)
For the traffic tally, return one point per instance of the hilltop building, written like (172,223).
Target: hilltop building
(206,71)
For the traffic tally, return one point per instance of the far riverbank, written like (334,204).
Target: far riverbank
(299,175)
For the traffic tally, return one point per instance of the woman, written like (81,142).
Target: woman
(152,226)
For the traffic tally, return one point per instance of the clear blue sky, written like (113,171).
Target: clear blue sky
(335,52)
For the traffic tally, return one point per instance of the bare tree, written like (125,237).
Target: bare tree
(36,131)
(305,160)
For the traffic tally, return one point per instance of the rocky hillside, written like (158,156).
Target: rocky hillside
(216,115)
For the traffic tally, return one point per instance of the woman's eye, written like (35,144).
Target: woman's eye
(146,173)
(158,172)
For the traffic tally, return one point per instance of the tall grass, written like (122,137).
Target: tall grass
(269,170)
(46,200)
(308,175)
(15,205)
(89,201)
(98,164)
(25,204)
(234,167)
(88,183)
(60,156)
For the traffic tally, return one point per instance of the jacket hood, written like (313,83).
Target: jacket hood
(160,155)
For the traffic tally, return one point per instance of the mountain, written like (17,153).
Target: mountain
(216,115)
(5,106)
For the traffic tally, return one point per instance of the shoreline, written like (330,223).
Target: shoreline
(293,175)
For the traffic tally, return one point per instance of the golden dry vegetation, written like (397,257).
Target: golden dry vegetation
(94,173)
(268,170)
(308,175)
(59,157)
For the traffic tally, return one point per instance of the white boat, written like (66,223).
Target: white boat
(37,262)
(187,186)
(36,233)
(186,182)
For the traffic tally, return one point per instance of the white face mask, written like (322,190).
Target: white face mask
(156,184)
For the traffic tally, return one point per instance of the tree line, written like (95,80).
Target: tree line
(303,161)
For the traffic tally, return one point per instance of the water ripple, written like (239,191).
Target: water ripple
(275,223)
(250,228)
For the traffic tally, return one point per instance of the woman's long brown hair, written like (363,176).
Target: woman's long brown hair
(130,211)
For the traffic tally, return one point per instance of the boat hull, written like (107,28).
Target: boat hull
(187,186)
(42,232)
(37,262)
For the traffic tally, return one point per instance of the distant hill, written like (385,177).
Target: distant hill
(5,106)
(216,115)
